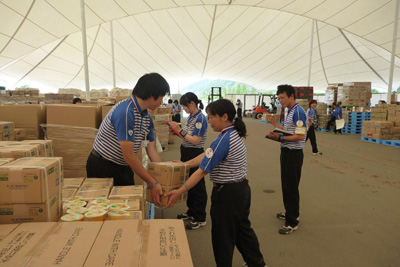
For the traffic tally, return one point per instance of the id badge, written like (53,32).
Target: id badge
(300,130)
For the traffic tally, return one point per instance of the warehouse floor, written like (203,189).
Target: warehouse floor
(350,203)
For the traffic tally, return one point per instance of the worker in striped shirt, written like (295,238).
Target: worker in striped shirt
(291,155)
(311,121)
(226,161)
(126,128)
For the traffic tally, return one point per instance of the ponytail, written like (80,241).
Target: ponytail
(240,127)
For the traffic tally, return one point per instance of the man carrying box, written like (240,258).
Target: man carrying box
(123,131)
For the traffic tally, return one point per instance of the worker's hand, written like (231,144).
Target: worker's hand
(173,197)
(177,161)
(271,119)
(175,125)
(273,135)
(156,192)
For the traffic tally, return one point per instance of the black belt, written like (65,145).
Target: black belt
(230,183)
(96,154)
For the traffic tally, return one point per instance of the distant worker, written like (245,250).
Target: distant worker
(177,112)
(291,156)
(77,100)
(127,127)
(338,116)
(333,117)
(239,106)
(170,105)
(311,121)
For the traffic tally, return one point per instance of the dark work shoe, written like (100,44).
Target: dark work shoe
(285,230)
(193,225)
(281,215)
(184,216)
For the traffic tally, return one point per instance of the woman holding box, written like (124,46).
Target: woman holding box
(194,136)
(226,162)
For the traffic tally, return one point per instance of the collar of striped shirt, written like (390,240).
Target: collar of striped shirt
(137,107)
(195,115)
(227,128)
(294,106)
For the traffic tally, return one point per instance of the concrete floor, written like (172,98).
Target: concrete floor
(349,203)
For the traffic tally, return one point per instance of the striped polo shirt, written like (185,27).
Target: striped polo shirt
(196,126)
(126,121)
(226,159)
(312,113)
(294,114)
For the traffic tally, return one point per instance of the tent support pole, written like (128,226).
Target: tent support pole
(112,54)
(84,49)
(395,26)
(311,50)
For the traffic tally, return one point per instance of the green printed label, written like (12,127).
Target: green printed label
(3,178)
(6,212)
(35,177)
(40,210)
(50,171)
(53,201)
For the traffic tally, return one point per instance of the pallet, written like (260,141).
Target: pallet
(394,143)
(351,131)
(372,140)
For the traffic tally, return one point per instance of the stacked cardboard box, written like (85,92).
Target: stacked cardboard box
(28,117)
(18,150)
(121,92)
(73,129)
(7,131)
(322,121)
(19,134)
(384,124)
(26,91)
(46,146)
(93,188)
(72,91)
(354,93)
(162,114)
(58,98)
(322,108)
(170,175)
(97,93)
(4,161)
(331,93)
(31,190)
(109,243)
(303,103)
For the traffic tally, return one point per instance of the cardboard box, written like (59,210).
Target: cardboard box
(7,129)
(4,161)
(20,245)
(68,245)
(72,182)
(169,173)
(19,151)
(74,115)
(88,195)
(38,212)
(105,110)
(68,192)
(166,189)
(118,244)
(19,134)
(24,180)
(47,146)
(25,116)
(103,181)
(5,229)
(165,244)
(127,192)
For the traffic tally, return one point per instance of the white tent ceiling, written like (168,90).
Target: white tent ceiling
(262,43)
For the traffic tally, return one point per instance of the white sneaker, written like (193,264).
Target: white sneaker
(318,153)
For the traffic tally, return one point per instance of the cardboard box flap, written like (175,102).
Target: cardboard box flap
(68,245)
(165,244)
(118,244)
(19,246)
(5,229)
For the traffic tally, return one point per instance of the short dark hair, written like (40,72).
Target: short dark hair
(286,88)
(169,101)
(176,101)
(151,85)
(76,100)
(312,102)
(189,97)
(224,106)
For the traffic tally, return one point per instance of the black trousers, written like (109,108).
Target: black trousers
(239,112)
(291,164)
(332,120)
(177,117)
(197,196)
(99,167)
(230,209)
(313,140)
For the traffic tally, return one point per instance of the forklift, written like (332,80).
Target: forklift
(262,108)
(217,94)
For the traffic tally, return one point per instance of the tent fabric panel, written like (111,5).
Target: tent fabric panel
(9,21)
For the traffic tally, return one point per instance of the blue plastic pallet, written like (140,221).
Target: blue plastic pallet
(351,132)
(394,143)
(372,140)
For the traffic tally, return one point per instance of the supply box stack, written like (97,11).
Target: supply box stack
(98,93)
(72,91)
(31,190)
(354,94)
(384,127)
(304,92)
(58,98)
(303,103)
(331,93)
(120,92)
(160,115)
(322,108)
(322,121)
(7,131)
(170,175)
